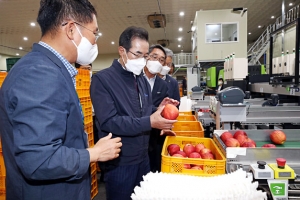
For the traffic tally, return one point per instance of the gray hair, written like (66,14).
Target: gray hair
(169,52)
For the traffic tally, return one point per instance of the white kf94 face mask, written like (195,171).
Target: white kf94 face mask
(154,67)
(165,70)
(135,65)
(86,52)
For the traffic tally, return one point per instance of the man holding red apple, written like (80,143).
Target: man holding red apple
(123,105)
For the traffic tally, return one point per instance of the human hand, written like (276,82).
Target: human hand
(168,100)
(157,121)
(167,132)
(105,149)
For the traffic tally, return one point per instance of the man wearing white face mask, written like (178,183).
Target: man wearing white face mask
(123,105)
(42,133)
(159,88)
(173,89)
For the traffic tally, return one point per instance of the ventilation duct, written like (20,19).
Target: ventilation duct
(156,21)
(163,43)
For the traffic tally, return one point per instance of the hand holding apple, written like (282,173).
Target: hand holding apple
(157,121)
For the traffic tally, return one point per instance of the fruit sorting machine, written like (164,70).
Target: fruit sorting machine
(247,159)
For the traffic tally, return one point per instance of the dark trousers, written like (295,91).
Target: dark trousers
(120,181)
(156,143)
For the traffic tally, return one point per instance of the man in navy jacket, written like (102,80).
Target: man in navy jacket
(41,125)
(122,102)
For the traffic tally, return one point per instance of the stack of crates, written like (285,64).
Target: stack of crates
(2,77)
(2,173)
(83,90)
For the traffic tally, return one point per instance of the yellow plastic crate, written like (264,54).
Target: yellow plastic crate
(186,118)
(175,164)
(94,185)
(185,113)
(188,128)
(2,184)
(93,168)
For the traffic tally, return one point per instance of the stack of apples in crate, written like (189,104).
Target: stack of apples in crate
(198,151)
(241,139)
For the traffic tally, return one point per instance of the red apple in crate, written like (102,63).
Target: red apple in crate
(170,112)
(278,137)
(182,153)
(239,132)
(194,155)
(197,167)
(177,155)
(209,156)
(231,142)
(268,146)
(241,138)
(225,136)
(248,144)
(250,140)
(199,147)
(188,149)
(204,151)
(173,148)
(187,166)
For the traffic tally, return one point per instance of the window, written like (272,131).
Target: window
(221,32)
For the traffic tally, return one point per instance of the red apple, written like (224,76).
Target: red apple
(239,132)
(187,166)
(197,167)
(209,156)
(231,142)
(188,149)
(268,146)
(225,136)
(204,151)
(182,153)
(173,148)
(241,138)
(248,144)
(170,112)
(177,155)
(250,140)
(278,137)
(194,155)
(199,147)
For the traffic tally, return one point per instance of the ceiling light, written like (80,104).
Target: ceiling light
(100,34)
(179,45)
(181,13)
(179,39)
(193,28)
(272,17)
(290,4)
(20,48)
(25,38)
(249,33)
(259,26)
(112,42)
(180,29)
(32,24)
(17,54)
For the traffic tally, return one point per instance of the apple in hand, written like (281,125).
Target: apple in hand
(170,112)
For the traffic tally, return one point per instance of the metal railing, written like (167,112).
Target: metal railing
(261,45)
(184,59)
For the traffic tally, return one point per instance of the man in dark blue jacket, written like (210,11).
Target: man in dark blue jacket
(157,58)
(45,147)
(122,102)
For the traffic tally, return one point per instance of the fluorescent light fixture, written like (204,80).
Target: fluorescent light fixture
(180,29)
(249,33)
(32,24)
(100,34)
(181,13)
(193,28)
(259,26)
(179,45)
(272,17)
(17,54)
(290,4)
(179,39)
(25,38)
(20,48)
(112,42)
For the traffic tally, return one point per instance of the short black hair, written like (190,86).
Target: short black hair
(221,79)
(157,46)
(52,13)
(78,65)
(130,34)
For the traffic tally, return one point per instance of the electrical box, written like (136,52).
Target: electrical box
(239,68)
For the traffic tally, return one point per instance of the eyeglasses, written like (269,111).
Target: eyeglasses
(155,57)
(97,34)
(139,55)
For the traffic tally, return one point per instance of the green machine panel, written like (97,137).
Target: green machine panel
(10,63)
(212,76)
(221,74)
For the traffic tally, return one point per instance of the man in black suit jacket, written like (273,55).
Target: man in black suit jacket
(159,88)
